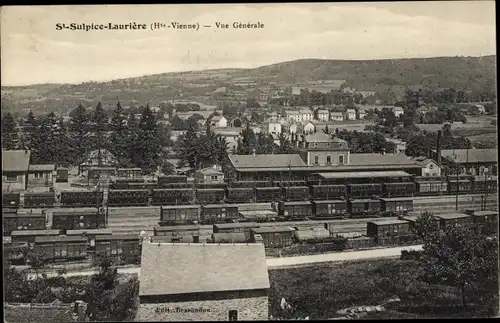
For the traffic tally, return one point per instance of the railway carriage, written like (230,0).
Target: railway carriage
(274,237)
(11,200)
(485,186)
(30,235)
(35,200)
(431,187)
(460,185)
(15,222)
(243,228)
(128,197)
(77,220)
(217,213)
(363,207)
(239,195)
(485,221)
(329,209)
(143,186)
(89,234)
(63,248)
(179,214)
(267,194)
(81,198)
(449,219)
(251,184)
(387,228)
(229,237)
(210,195)
(328,192)
(296,193)
(165,196)
(364,190)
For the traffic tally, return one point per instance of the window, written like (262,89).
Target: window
(316,160)
(328,159)
(11,178)
(341,159)
(214,177)
(37,175)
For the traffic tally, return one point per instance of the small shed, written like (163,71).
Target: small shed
(449,219)
(274,237)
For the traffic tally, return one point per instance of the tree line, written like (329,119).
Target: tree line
(134,143)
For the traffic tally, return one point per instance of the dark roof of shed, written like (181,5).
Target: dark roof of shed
(169,269)
(388,222)
(450,216)
(267,161)
(329,201)
(15,160)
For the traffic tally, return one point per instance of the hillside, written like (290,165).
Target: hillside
(461,73)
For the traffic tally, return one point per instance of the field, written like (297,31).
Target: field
(320,291)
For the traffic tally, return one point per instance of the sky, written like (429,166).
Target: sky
(33,51)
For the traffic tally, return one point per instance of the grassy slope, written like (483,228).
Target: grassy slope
(322,290)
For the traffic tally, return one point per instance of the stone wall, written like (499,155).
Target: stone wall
(255,308)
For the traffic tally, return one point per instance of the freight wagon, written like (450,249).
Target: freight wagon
(364,190)
(328,192)
(446,220)
(64,248)
(295,210)
(312,236)
(210,195)
(239,195)
(329,209)
(16,222)
(128,197)
(233,237)
(166,196)
(485,221)
(399,189)
(179,214)
(89,234)
(217,213)
(396,205)
(431,187)
(274,237)
(81,198)
(460,186)
(35,200)
(183,233)
(296,193)
(251,184)
(11,200)
(387,228)
(488,186)
(267,194)
(243,228)
(119,246)
(363,207)
(77,220)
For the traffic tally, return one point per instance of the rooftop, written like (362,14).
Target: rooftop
(388,222)
(451,216)
(267,161)
(272,229)
(233,237)
(88,232)
(364,174)
(485,213)
(236,225)
(60,239)
(15,160)
(209,171)
(35,232)
(178,228)
(329,201)
(320,136)
(380,159)
(169,269)
(42,168)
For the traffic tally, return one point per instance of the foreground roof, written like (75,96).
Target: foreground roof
(15,160)
(173,269)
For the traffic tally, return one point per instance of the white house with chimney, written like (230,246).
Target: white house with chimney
(305,114)
(323,115)
(350,114)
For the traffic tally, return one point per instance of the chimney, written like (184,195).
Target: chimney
(438,148)
(253,152)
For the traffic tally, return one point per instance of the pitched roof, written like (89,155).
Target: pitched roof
(272,161)
(472,156)
(168,269)
(388,222)
(323,111)
(15,160)
(209,171)
(336,114)
(380,159)
(217,118)
(451,216)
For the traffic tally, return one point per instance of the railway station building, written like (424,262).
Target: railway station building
(203,282)
(477,162)
(317,153)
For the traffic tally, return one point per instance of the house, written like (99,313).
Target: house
(400,145)
(15,166)
(397,111)
(272,126)
(323,115)
(232,135)
(305,114)
(429,167)
(337,116)
(305,127)
(41,176)
(471,161)
(209,175)
(292,115)
(203,282)
(360,113)
(218,122)
(350,114)
(292,127)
